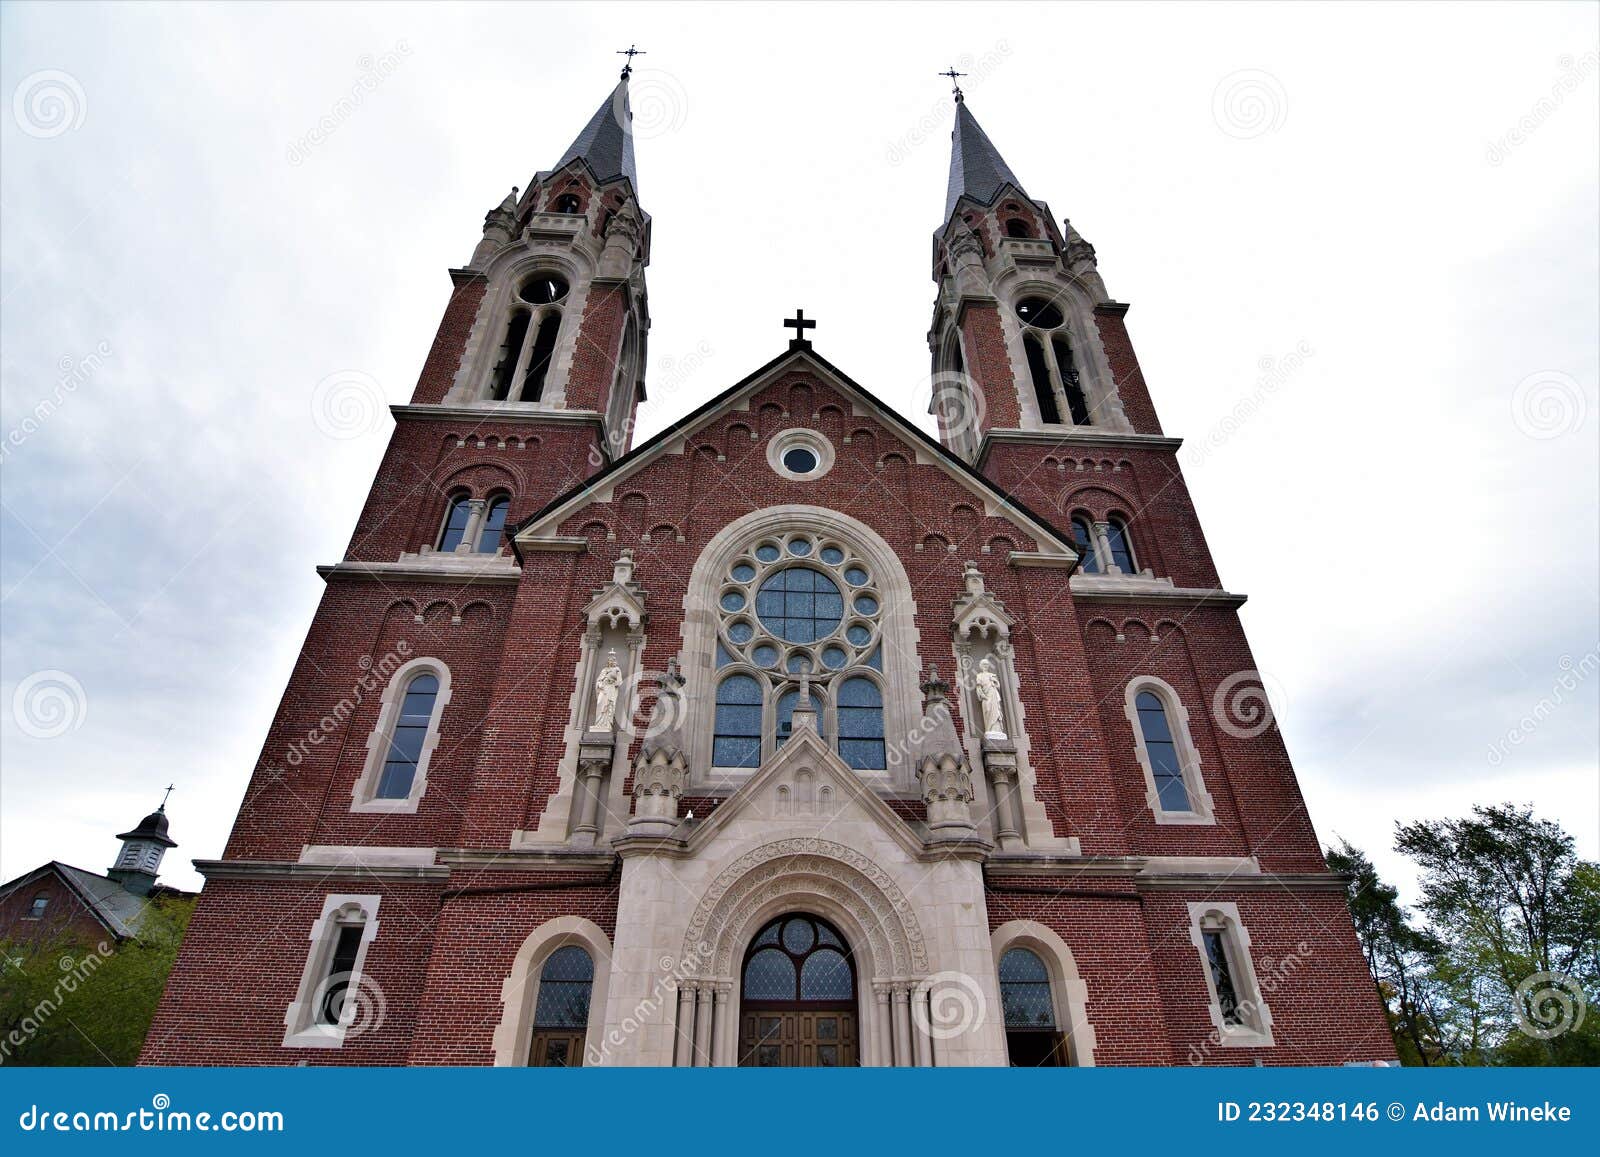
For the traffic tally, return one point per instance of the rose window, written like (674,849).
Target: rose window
(793,605)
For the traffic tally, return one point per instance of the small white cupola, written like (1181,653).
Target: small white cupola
(142,848)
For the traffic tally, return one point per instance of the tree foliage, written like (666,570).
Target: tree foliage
(1506,960)
(68,1001)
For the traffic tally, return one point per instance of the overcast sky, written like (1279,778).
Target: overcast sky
(1360,244)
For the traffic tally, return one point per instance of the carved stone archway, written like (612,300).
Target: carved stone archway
(804,874)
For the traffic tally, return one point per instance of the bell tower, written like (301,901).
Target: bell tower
(557,289)
(1027,344)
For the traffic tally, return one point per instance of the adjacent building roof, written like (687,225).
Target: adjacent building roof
(119,910)
(977,169)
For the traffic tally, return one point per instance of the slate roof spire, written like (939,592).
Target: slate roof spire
(977,169)
(606,142)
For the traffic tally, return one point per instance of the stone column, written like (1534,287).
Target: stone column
(702,1026)
(725,1026)
(902,1024)
(683,1052)
(884,1031)
(922,1043)
(469,536)
(1102,543)
(594,760)
(1000,761)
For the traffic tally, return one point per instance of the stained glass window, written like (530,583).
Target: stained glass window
(1025,991)
(564,985)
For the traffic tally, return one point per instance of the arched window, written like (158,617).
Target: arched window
(568,203)
(531,332)
(1017,227)
(861,724)
(406,739)
(1043,392)
(1121,547)
(1055,375)
(1083,542)
(1162,750)
(1033,1034)
(335,997)
(455,522)
(737,742)
(561,1015)
(1238,1006)
(494,523)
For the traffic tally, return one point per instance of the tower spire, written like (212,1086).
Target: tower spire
(606,142)
(977,169)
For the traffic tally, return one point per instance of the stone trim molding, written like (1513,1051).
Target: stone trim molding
(283,870)
(530,413)
(1202,808)
(300,1028)
(1067,988)
(519,994)
(430,568)
(362,793)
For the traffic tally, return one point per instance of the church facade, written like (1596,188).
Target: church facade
(792,736)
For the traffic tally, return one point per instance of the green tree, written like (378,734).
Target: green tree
(1510,902)
(65,1001)
(1421,1004)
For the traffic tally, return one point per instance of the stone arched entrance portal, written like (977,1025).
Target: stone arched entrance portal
(843,888)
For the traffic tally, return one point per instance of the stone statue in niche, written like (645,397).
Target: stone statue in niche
(607,685)
(987,685)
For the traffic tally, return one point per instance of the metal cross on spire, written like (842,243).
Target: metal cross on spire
(954,82)
(799,323)
(166,797)
(630,52)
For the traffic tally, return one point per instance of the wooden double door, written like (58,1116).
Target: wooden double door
(796,1037)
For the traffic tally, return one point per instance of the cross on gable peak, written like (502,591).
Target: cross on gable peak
(799,323)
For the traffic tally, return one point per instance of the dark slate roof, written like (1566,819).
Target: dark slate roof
(977,169)
(606,142)
(153,827)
